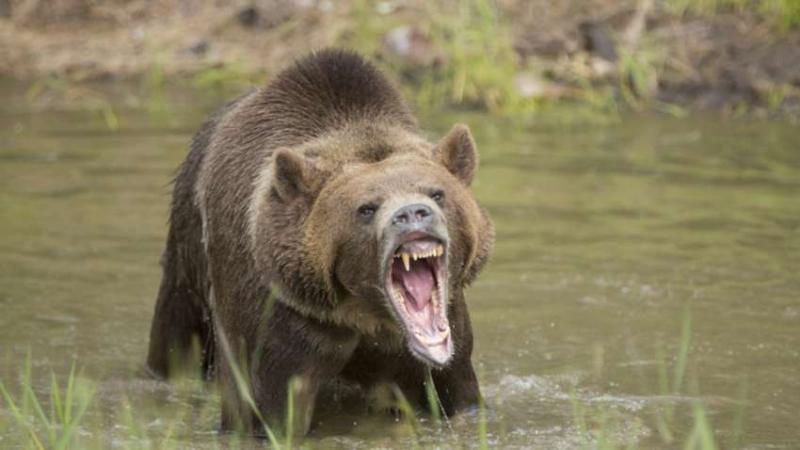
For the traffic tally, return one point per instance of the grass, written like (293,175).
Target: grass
(66,416)
(57,429)
(596,426)
(476,64)
(85,97)
(481,66)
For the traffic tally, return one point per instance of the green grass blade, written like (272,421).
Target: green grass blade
(38,410)
(483,425)
(68,394)
(433,398)
(15,411)
(56,411)
(406,409)
(73,425)
(243,387)
(704,426)
(20,416)
(26,375)
(683,352)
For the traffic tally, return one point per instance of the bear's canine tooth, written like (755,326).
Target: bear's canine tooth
(406,262)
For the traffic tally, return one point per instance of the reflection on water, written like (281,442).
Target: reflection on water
(605,236)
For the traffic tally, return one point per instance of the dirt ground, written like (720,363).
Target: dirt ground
(725,61)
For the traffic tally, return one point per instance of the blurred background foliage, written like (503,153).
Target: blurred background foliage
(508,57)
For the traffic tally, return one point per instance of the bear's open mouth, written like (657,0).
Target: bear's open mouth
(417,284)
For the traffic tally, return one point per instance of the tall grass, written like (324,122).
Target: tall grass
(86,97)
(478,60)
(699,437)
(480,65)
(58,420)
(58,428)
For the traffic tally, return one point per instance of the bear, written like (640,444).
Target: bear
(315,236)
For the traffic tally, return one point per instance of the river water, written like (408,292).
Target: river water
(611,240)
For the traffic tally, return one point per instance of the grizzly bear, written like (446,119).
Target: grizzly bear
(316,236)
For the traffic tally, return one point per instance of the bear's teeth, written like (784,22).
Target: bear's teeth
(436,252)
(429,254)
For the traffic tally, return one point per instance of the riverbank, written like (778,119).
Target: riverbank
(507,57)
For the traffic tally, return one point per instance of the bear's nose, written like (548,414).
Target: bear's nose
(412,216)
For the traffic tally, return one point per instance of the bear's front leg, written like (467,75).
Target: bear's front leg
(292,355)
(457,387)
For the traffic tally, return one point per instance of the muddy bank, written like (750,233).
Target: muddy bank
(509,53)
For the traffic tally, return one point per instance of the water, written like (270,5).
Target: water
(607,237)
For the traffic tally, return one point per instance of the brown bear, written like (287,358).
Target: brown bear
(316,236)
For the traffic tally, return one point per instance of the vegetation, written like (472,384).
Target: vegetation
(60,419)
(701,433)
(474,44)
(67,407)
(467,54)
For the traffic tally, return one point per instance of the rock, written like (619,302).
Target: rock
(531,85)
(199,48)
(248,17)
(412,46)
(598,41)
(602,68)
(398,40)
(266,14)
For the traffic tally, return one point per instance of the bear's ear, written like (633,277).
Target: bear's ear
(290,174)
(457,152)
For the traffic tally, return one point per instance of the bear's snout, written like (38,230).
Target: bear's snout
(412,217)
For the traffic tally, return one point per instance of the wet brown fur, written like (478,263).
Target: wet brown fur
(265,264)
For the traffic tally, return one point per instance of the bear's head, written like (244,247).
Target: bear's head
(381,218)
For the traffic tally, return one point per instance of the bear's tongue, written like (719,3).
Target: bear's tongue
(418,283)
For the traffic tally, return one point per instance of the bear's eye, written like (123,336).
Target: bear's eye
(367,211)
(437,196)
